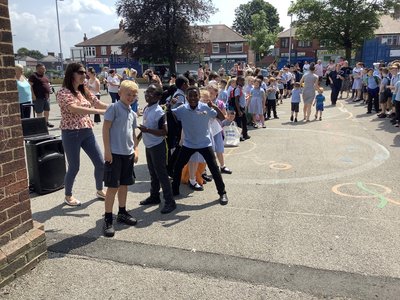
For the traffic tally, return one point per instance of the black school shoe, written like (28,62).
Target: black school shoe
(168,207)
(126,219)
(108,229)
(225,170)
(150,201)
(196,186)
(223,199)
(206,177)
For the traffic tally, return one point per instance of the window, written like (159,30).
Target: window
(215,48)
(285,43)
(103,50)
(90,51)
(304,44)
(223,48)
(235,47)
(391,40)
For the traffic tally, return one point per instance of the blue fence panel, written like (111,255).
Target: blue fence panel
(375,51)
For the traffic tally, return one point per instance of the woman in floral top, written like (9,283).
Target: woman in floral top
(76,104)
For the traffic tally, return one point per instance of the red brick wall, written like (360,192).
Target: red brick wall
(15,210)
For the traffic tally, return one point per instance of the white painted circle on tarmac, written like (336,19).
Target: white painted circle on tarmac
(381,154)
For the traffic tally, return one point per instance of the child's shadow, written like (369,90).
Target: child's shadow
(147,215)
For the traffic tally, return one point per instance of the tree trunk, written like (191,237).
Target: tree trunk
(172,66)
(348,54)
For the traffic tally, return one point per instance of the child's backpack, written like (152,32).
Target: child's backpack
(232,99)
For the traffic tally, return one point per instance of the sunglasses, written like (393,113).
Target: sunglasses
(81,72)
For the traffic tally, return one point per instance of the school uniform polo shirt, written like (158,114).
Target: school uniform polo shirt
(124,122)
(242,97)
(195,124)
(153,118)
(181,98)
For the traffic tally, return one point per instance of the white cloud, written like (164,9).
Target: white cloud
(95,30)
(28,30)
(72,26)
(84,7)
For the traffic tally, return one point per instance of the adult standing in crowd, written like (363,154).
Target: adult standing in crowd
(357,81)
(24,92)
(76,104)
(319,70)
(335,79)
(346,83)
(330,67)
(311,83)
(113,83)
(151,77)
(41,92)
(94,87)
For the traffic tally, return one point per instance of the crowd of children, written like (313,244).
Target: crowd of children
(188,118)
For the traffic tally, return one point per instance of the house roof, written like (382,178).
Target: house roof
(27,59)
(112,37)
(49,58)
(116,37)
(220,34)
(287,33)
(388,26)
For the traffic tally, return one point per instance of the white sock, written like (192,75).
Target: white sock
(192,181)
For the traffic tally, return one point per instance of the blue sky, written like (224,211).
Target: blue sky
(34,23)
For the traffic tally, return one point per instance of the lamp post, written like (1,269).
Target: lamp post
(226,58)
(59,38)
(290,34)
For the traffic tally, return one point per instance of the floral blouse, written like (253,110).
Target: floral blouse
(70,120)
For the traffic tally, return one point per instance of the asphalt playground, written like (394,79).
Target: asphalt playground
(313,214)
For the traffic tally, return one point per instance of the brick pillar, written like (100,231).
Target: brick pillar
(22,241)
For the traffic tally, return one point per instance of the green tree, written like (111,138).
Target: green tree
(262,38)
(161,29)
(339,24)
(32,53)
(244,23)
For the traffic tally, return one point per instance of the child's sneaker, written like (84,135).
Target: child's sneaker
(320,118)
(108,229)
(295,119)
(126,219)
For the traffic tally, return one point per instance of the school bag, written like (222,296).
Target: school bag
(174,128)
(232,99)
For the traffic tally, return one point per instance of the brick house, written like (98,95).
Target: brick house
(220,46)
(301,50)
(22,241)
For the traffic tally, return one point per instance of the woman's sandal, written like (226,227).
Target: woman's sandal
(100,195)
(74,202)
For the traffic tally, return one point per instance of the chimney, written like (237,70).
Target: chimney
(121,25)
(51,54)
(84,37)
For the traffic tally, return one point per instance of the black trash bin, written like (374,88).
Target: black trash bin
(46,165)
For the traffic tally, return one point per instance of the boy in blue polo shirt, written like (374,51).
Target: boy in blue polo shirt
(120,153)
(195,117)
(154,130)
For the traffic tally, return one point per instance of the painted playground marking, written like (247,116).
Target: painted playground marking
(381,154)
(367,191)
